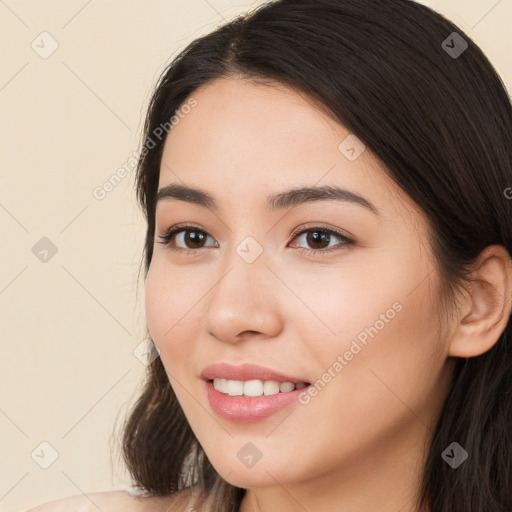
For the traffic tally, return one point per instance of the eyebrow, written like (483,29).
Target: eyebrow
(287,199)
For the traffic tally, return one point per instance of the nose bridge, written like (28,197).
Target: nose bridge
(246,255)
(243,298)
(245,273)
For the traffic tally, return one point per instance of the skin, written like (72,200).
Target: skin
(110,501)
(358,445)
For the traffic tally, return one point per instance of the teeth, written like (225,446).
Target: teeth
(271,387)
(234,387)
(286,386)
(254,387)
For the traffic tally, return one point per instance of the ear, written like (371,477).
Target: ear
(485,311)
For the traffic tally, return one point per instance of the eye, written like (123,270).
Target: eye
(192,238)
(320,238)
(183,234)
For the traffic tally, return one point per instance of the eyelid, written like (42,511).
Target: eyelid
(311,226)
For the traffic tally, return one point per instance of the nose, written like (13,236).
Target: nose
(243,303)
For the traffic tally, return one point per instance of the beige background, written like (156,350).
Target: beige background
(69,325)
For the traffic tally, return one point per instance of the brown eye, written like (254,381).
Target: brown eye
(184,238)
(193,239)
(319,240)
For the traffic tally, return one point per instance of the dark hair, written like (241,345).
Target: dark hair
(441,124)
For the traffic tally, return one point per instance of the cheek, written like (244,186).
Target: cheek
(374,319)
(390,364)
(169,309)
(373,389)
(362,294)
(156,304)
(169,302)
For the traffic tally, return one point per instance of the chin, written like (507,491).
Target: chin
(250,478)
(263,473)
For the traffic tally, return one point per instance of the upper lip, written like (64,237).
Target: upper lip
(246,372)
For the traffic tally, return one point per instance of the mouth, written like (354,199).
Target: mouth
(251,400)
(249,392)
(255,387)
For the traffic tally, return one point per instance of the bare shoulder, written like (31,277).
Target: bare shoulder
(107,501)
(112,501)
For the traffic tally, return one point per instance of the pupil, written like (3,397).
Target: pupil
(194,237)
(316,237)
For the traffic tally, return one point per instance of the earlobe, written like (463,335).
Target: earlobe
(486,310)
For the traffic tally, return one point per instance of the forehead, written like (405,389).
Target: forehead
(245,139)
(238,118)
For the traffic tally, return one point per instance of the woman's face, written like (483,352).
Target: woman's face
(249,283)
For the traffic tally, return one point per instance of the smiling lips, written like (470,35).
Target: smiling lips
(249,392)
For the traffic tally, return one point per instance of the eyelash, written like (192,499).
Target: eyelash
(169,235)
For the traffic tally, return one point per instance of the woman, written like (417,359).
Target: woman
(328,276)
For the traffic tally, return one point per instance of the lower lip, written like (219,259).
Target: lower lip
(248,409)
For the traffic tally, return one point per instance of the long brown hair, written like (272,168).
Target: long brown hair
(439,118)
